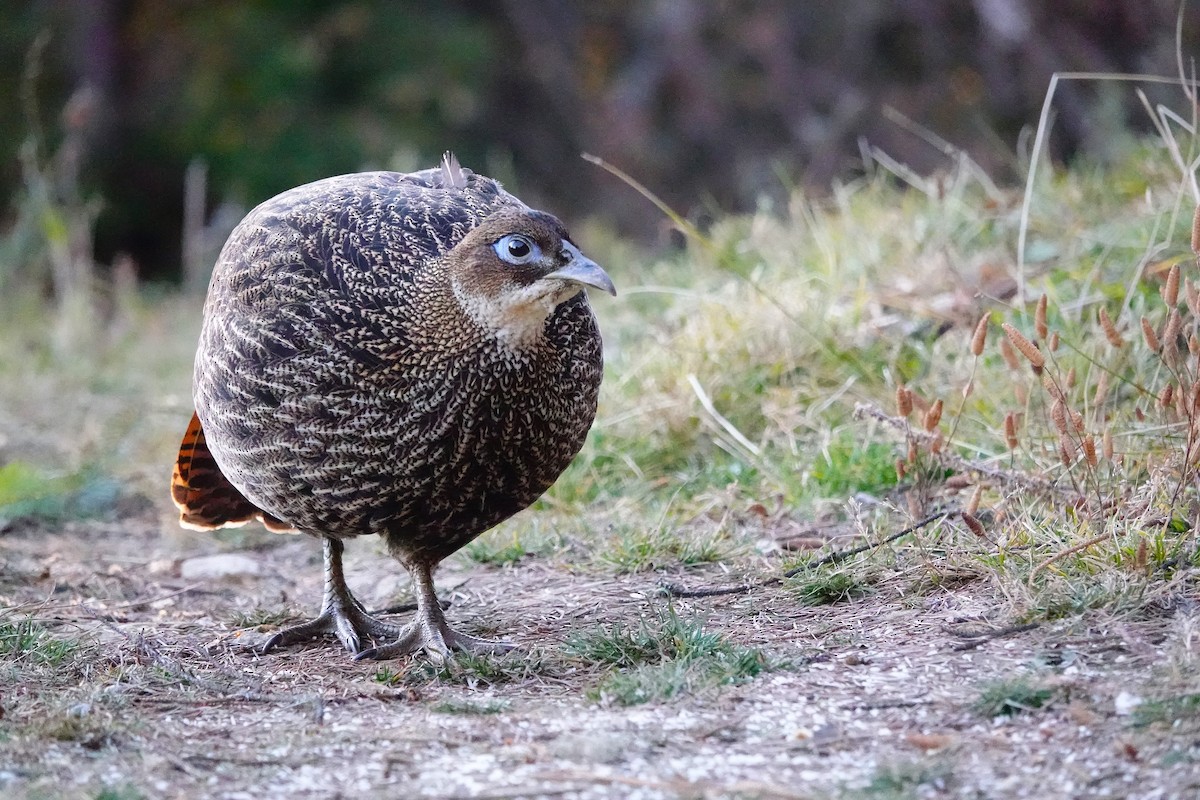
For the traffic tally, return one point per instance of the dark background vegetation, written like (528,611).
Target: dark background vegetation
(712,103)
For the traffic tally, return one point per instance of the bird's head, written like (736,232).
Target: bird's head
(512,270)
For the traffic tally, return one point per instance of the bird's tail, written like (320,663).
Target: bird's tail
(205,497)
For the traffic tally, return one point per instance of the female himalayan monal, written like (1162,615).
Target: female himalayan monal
(408,355)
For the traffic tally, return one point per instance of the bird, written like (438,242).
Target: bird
(409,355)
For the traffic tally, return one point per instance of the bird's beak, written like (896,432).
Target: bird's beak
(584,271)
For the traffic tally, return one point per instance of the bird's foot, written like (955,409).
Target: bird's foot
(434,637)
(350,623)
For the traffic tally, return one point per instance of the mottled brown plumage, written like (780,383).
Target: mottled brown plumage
(404,355)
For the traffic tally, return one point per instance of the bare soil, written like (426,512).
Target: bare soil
(871,698)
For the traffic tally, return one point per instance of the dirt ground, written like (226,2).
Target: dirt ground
(871,698)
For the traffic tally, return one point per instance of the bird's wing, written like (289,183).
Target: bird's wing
(205,497)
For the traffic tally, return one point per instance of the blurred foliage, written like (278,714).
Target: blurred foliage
(711,102)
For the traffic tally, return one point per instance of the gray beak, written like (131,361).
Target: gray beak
(582,270)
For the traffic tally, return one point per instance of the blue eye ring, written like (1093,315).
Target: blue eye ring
(516,248)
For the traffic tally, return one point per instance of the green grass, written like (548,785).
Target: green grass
(1010,697)
(662,659)
(1168,710)
(28,642)
(828,586)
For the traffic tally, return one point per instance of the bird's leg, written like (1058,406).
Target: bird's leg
(428,631)
(341,613)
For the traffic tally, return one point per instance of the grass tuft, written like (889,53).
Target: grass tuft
(1010,697)
(662,659)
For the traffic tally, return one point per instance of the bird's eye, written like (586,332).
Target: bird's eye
(517,249)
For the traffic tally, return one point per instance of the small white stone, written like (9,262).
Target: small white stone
(222,565)
(1126,702)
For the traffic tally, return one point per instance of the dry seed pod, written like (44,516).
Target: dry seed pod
(1191,296)
(976,496)
(1071,377)
(980,337)
(1141,415)
(901,469)
(1110,331)
(1196,234)
(934,415)
(1101,390)
(1052,388)
(1194,345)
(1066,451)
(1010,430)
(1139,560)
(1171,289)
(1089,451)
(1058,413)
(1165,396)
(973,524)
(1106,445)
(1039,319)
(1077,421)
(904,403)
(938,442)
(1174,326)
(1181,400)
(1027,348)
(912,452)
(1052,342)
(1149,335)
(1009,355)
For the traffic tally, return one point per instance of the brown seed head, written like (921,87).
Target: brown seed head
(1089,451)
(1051,387)
(1165,396)
(975,526)
(1058,413)
(973,504)
(1052,342)
(1149,335)
(1010,430)
(1191,296)
(1077,421)
(1196,234)
(912,452)
(904,404)
(934,415)
(1039,319)
(1066,451)
(1171,289)
(1110,330)
(1106,445)
(901,469)
(1173,328)
(1026,347)
(937,444)
(1101,390)
(1009,355)
(980,337)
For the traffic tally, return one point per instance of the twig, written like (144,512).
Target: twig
(834,558)
(976,638)
(1064,553)
(671,590)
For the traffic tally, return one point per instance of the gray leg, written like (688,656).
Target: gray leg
(341,613)
(429,631)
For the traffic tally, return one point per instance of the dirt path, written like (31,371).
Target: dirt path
(873,698)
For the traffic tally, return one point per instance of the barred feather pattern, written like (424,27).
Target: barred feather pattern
(343,387)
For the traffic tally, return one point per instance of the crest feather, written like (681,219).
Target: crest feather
(453,175)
